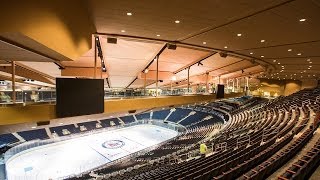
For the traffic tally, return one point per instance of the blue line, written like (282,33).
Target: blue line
(100,154)
(133,141)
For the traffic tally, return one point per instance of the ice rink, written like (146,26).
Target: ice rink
(80,154)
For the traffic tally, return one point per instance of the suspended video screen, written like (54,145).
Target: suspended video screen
(77,97)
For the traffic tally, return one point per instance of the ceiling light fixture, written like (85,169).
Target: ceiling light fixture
(262,56)
(262,40)
(274,60)
(129,14)
(158,35)
(146,70)
(302,20)
(204,42)
(308,60)
(278,63)
(239,35)
(226,47)
(299,54)
(123,31)
(177,21)
(251,53)
(289,49)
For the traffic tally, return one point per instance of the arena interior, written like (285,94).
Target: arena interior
(170,89)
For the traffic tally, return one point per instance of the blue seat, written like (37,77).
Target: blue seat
(178,114)
(7,139)
(198,116)
(34,134)
(161,115)
(127,119)
(143,116)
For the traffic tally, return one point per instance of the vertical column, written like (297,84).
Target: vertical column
(13,80)
(188,79)
(145,83)
(157,80)
(95,58)
(207,82)
(233,85)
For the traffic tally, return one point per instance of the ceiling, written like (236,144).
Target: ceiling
(266,38)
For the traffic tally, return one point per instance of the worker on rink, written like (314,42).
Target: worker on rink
(203,149)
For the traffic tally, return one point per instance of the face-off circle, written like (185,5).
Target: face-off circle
(113,144)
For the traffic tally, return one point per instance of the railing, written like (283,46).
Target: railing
(32,96)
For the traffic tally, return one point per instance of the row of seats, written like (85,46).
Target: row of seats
(256,132)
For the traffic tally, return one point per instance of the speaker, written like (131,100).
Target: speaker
(220,91)
(223,54)
(112,40)
(43,123)
(172,46)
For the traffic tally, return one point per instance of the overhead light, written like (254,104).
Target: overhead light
(112,40)
(33,127)
(308,60)
(129,14)
(226,47)
(177,21)
(262,40)
(302,20)
(173,78)
(299,54)
(262,56)
(251,53)
(123,31)
(61,123)
(279,63)
(274,60)
(158,35)
(146,70)
(239,35)
(289,49)
(310,66)
(204,42)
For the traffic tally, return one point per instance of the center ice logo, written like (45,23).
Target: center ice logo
(113,144)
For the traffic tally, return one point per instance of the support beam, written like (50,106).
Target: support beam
(207,82)
(157,79)
(13,82)
(156,57)
(188,78)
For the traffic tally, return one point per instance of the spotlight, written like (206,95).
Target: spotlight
(146,70)
(112,40)
(104,69)
(223,54)
(172,46)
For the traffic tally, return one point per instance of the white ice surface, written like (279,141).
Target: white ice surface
(80,154)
